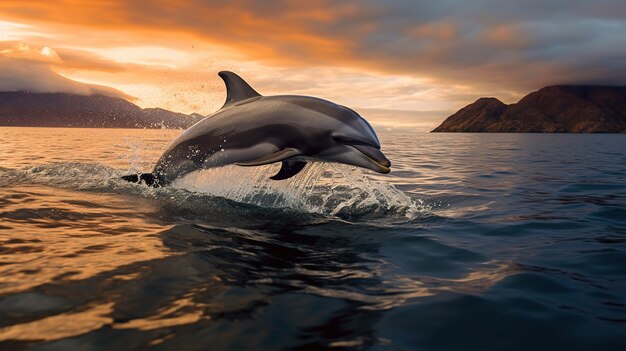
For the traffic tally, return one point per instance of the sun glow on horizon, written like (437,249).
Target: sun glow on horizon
(181,75)
(383,57)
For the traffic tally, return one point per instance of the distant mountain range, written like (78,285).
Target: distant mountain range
(554,109)
(93,111)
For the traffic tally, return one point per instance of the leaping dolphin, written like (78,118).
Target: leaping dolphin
(253,130)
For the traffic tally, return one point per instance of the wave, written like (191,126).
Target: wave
(321,189)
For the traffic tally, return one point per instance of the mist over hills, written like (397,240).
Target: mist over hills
(28,109)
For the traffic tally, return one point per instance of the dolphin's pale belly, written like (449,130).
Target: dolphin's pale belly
(188,158)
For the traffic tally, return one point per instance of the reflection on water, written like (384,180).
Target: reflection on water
(472,242)
(53,233)
(60,326)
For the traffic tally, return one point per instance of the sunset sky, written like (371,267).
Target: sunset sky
(399,63)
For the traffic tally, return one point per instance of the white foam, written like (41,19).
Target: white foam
(322,188)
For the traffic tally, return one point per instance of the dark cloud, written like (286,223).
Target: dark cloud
(516,44)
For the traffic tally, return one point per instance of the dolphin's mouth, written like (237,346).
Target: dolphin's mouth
(379,162)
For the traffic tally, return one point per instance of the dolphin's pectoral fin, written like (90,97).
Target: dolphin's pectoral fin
(289,169)
(277,156)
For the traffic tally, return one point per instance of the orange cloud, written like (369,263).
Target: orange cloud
(269,33)
(24,51)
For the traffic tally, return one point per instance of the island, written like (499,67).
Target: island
(28,109)
(553,109)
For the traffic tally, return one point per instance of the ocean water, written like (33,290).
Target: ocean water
(473,242)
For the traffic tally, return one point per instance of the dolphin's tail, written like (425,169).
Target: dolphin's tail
(149,179)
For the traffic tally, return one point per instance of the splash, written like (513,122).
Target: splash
(321,188)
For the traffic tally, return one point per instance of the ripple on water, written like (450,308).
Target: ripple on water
(79,240)
(472,242)
(332,190)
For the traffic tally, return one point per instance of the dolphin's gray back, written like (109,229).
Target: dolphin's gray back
(245,131)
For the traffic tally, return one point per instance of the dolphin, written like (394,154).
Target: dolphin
(254,130)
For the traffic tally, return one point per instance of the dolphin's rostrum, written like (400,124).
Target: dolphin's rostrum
(254,130)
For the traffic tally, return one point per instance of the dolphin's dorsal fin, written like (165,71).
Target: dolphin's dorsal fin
(236,88)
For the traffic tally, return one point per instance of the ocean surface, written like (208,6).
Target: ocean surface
(473,242)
